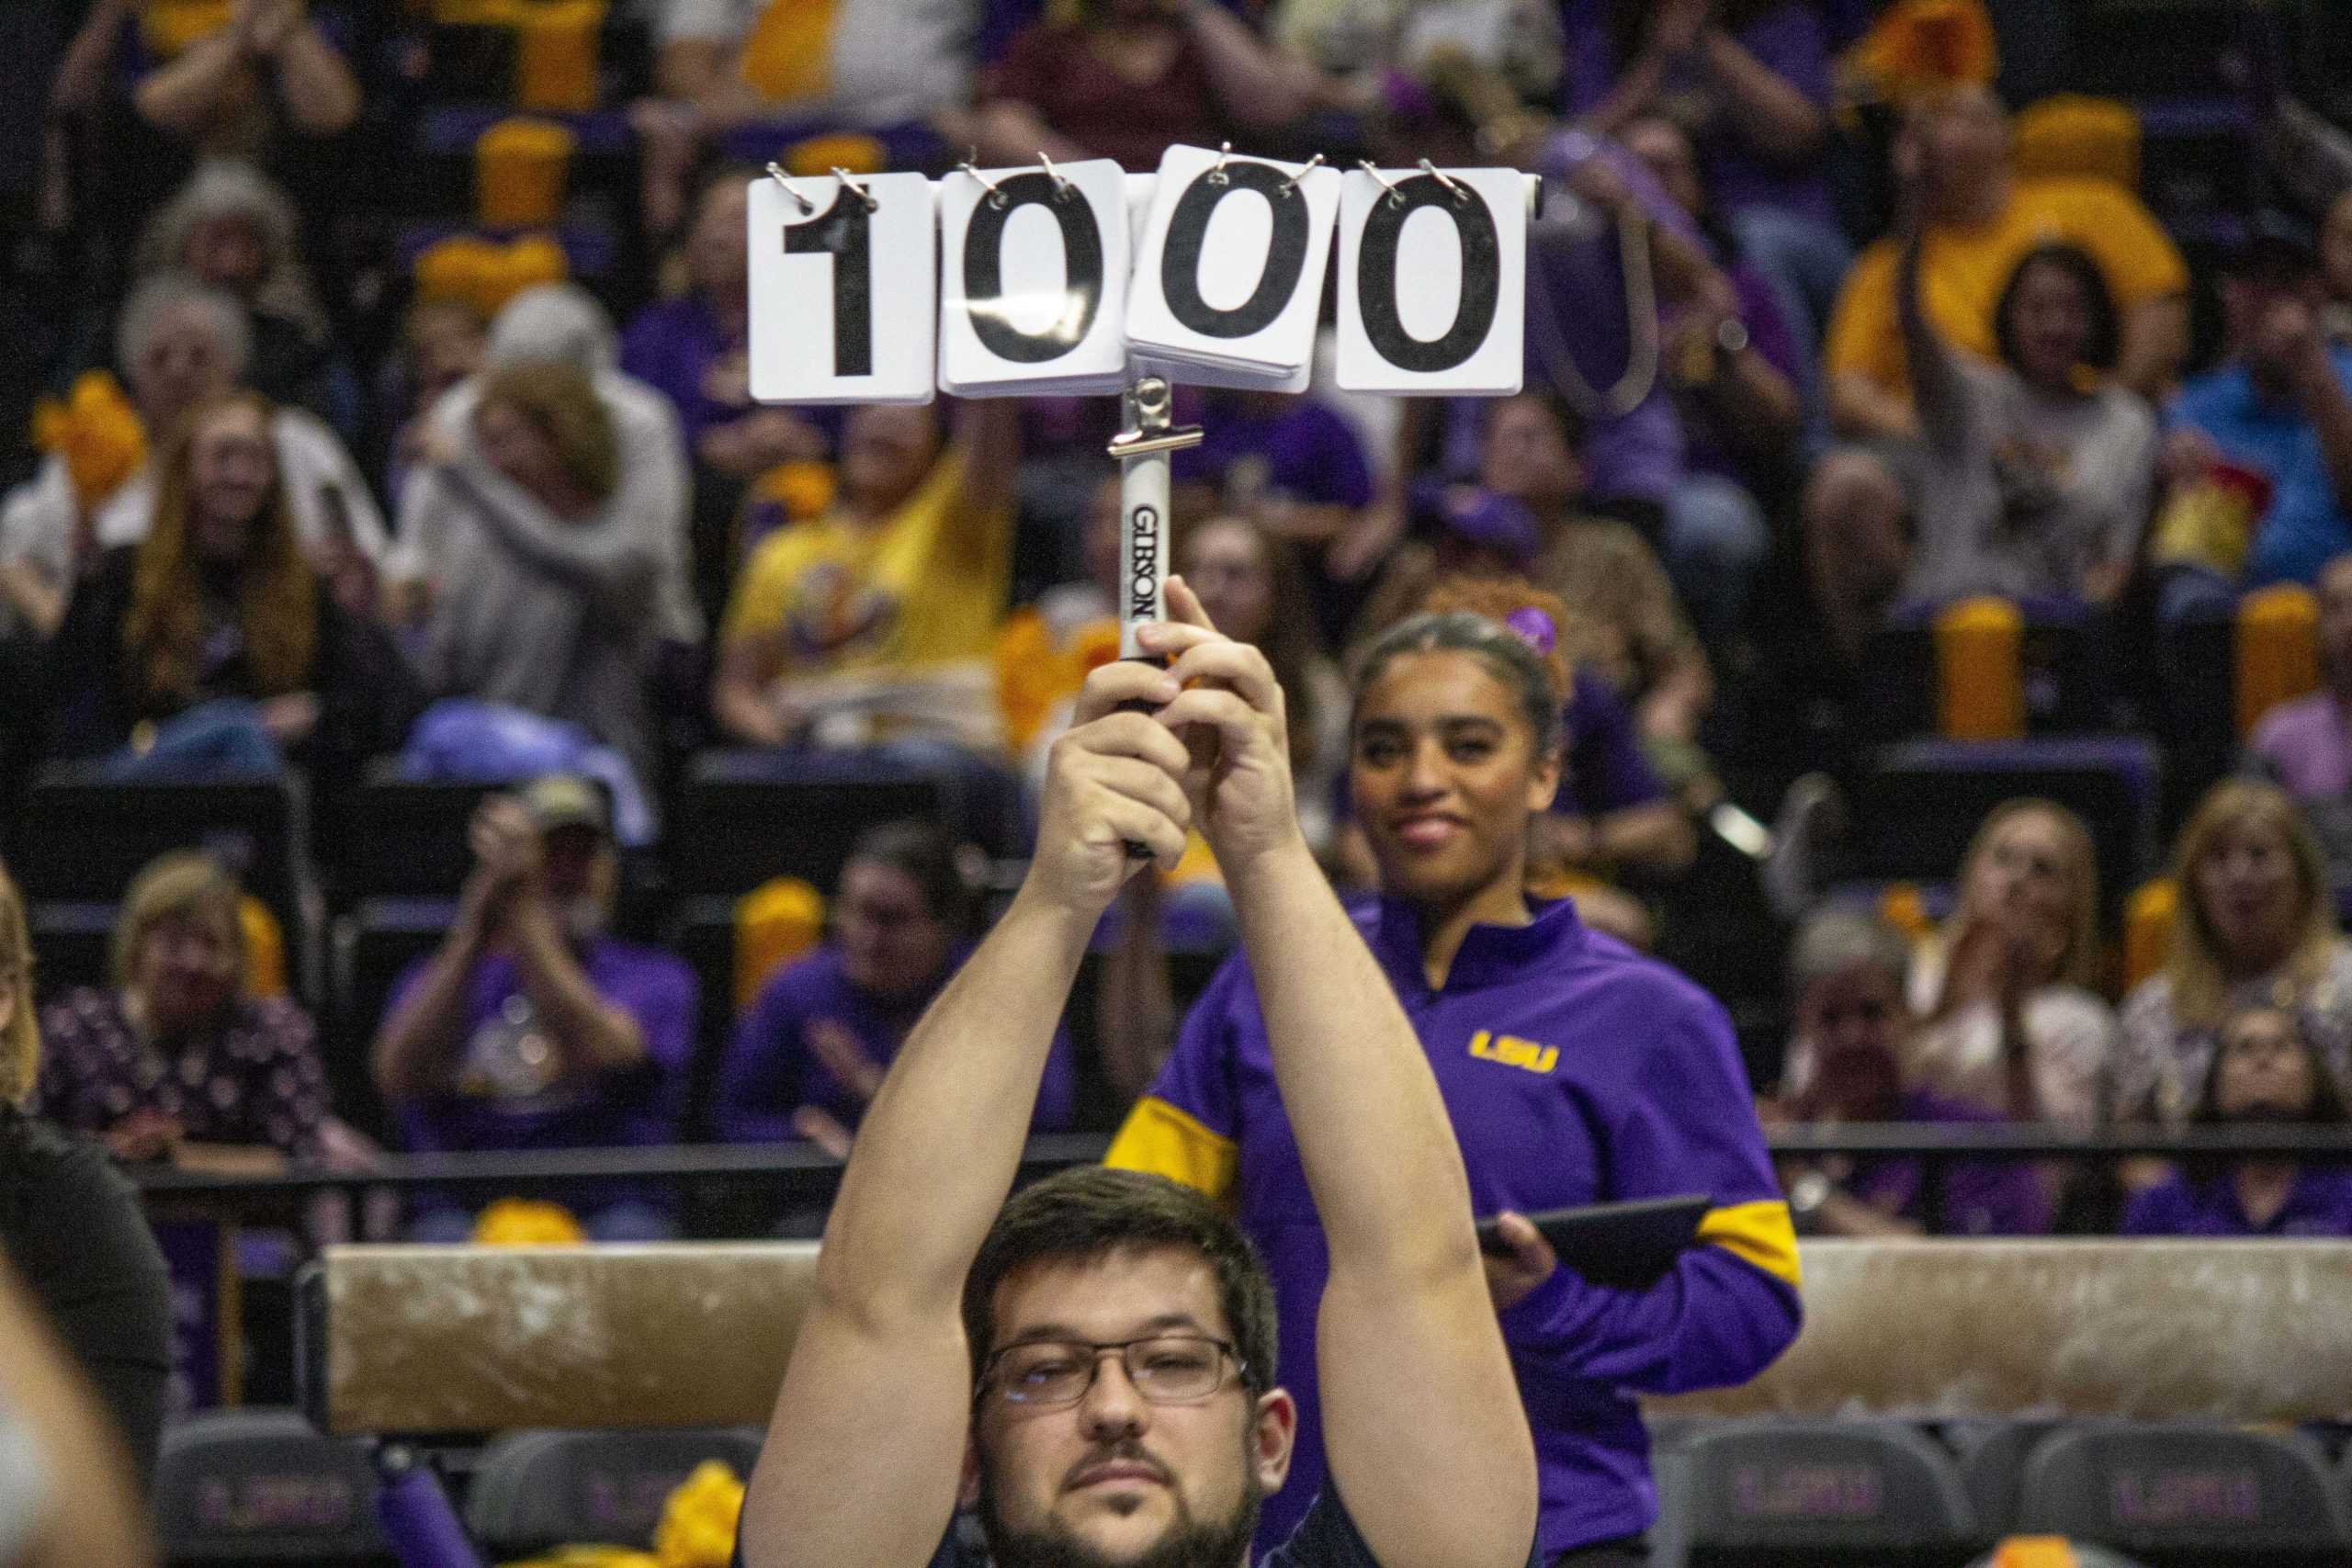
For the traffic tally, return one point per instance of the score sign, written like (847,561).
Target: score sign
(1077,277)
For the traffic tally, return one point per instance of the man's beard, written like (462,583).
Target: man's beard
(1187,1543)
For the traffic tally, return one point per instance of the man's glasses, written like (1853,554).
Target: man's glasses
(1166,1369)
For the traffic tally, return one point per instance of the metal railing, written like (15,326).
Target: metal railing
(802,1174)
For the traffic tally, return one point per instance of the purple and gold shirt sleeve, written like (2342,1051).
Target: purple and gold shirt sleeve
(1188,1127)
(1730,1305)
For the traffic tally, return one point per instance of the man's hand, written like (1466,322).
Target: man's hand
(145,1137)
(2288,335)
(1240,782)
(290,718)
(831,1042)
(2186,455)
(1676,25)
(1512,1277)
(506,847)
(1115,778)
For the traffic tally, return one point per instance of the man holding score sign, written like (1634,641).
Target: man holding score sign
(1105,1390)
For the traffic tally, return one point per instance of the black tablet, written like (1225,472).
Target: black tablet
(1627,1244)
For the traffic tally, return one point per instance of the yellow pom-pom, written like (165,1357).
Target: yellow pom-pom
(1028,675)
(169,27)
(486,274)
(775,923)
(851,150)
(1922,47)
(521,167)
(697,1528)
(97,433)
(1096,644)
(804,487)
(527,1222)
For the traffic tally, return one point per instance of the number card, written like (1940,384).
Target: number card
(1230,274)
(1033,280)
(844,296)
(1433,282)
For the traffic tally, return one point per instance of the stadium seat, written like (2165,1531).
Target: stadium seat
(2061,682)
(80,839)
(77,841)
(2184,1493)
(1923,800)
(1993,1458)
(536,1490)
(2222,674)
(411,837)
(1822,1492)
(744,816)
(373,944)
(239,1486)
(71,944)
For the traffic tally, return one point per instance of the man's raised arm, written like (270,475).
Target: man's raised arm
(1422,1423)
(863,1461)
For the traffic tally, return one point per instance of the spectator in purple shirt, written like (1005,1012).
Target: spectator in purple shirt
(693,347)
(1755,74)
(1297,467)
(808,1058)
(2306,745)
(1741,377)
(530,1027)
(1848,1063)
(2266,1073)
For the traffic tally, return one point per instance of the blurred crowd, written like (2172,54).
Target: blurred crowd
(376,396)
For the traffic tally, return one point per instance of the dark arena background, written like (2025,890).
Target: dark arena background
(485,798)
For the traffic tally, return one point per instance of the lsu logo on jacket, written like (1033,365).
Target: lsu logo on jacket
(1513,1052)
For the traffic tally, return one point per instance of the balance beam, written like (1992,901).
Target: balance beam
(445,1339)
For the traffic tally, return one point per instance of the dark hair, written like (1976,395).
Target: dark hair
(1091,1212)
(2327,1097)
(2105,344)
(1573,426)
(1505,653)
(1628,22)
(933,859)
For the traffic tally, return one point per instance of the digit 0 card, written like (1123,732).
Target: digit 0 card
(1229,274)
(1033,280)
(1433,282)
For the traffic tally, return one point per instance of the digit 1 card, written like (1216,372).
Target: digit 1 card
(843,290)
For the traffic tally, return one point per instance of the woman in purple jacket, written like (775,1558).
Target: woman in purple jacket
(1575,1071)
